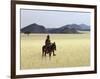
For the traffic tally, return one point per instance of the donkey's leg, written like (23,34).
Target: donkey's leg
(45,53)
(50,55)
(42,54)
(54,54)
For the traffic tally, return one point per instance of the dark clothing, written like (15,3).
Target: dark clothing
(47,42)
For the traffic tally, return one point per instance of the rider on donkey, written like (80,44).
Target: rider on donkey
(47,42)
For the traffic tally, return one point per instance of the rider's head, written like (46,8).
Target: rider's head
(48,36)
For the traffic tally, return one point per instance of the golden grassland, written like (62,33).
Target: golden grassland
(73,50)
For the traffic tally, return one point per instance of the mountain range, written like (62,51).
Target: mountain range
(69,28)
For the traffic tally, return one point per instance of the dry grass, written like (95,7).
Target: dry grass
(72,50)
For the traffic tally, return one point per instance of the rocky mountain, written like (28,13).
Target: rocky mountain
(84,27)
(63,29)
(70,28)
(34,28)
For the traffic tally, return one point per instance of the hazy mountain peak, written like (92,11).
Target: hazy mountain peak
(69,28)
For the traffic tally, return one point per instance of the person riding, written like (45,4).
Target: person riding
(47,41)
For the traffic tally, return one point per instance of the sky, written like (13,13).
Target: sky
(53,19)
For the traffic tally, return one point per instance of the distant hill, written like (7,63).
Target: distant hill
(63,29)
(84,27)
(34,28)
(70,28)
